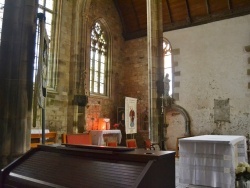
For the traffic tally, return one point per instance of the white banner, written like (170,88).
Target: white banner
(130,115)
(42,47)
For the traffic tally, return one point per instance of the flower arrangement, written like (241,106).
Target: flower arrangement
(116,125)
(242,172)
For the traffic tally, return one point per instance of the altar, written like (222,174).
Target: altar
(210,160)
(39,131)
(99,137)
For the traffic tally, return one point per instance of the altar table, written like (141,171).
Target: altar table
(97,136)
(210,160)
(38,131)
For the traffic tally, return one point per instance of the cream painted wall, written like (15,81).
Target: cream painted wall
(213,65)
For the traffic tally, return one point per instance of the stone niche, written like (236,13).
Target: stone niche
(178,122)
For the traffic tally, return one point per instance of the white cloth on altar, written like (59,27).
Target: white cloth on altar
(97,136)
(210,160)
(38,131)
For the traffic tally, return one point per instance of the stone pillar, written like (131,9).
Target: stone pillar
(16,75)
(155,64)
(79,57)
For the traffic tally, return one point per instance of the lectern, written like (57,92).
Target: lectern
(90,167)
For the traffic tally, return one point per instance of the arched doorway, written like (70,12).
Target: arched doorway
(178,122)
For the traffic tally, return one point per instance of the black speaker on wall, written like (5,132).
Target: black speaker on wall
(81,100)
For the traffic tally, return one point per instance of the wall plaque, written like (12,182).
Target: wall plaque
(221,110)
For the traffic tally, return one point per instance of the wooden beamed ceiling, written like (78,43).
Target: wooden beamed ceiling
(177,14)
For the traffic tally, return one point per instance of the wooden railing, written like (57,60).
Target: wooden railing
(36,139)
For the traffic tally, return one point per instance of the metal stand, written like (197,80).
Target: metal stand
(162,127)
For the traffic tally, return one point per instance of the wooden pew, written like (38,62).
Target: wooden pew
(79,138)
(36,139)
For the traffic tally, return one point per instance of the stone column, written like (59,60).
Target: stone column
(79,56)
(155,64)
(16,75)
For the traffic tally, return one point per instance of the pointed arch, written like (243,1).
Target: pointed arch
(100,58)
(168,66)
(2,2)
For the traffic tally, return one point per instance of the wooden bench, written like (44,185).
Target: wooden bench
(111,143)
(131,143)
(79,138)
(36,139)
(148,145)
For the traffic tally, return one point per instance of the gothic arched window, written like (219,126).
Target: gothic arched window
(2,2)
(98,60)
(167,52)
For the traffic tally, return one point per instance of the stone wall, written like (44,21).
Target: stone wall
(57,99)
(136,82)
(213,66)
(136,75)
(211,63)
(105,107)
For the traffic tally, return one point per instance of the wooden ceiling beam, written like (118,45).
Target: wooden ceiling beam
(169,12)
(181,25)
(212,12)
(189,19)
(120,14)
(136,15)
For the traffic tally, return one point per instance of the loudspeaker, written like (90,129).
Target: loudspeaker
(81,100)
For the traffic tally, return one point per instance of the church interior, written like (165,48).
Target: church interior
(155,72)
